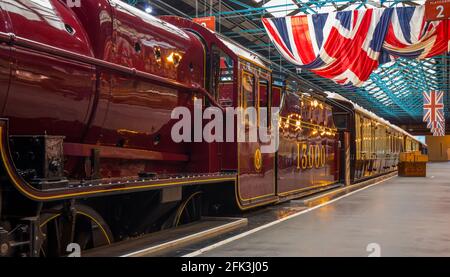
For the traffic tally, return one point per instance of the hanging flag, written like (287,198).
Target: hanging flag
(433,106)
(438,128)
(347,46)
(442,130)
(433,112)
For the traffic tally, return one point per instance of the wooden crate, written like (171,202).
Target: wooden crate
(412,169)
(415,156)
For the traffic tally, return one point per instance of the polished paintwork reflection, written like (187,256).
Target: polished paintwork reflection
(307,156)
(41,92)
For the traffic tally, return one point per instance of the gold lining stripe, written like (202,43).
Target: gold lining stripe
(244,207)
(256,197)
(178,216)
(48,220)
(82,213)
(101,227)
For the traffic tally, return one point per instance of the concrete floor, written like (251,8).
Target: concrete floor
(403,216)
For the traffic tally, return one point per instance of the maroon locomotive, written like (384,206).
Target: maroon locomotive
(86,97)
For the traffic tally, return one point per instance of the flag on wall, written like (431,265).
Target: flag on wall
(347,46)
(433,112)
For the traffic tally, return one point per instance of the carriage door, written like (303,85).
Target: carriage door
(256,169)
(346,151)
(265,121)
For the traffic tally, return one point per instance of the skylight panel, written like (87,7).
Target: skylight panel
(280,8)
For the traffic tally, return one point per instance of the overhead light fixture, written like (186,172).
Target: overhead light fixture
(148,9)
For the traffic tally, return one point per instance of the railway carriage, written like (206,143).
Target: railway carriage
(373,143)
(306,159)
(308,151)
(86,101)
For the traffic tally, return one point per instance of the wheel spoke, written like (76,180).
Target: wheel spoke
(87,230)
(191,210)
(188,216)
(58,236)
(194,210)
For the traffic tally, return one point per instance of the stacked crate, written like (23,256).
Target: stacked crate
(412,164)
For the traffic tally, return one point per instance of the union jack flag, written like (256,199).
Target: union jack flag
(433,106)
(438,128)
(433,111)
(347,46)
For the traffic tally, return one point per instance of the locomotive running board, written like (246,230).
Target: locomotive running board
(78,189)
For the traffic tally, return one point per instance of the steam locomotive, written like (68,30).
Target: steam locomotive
(86,97)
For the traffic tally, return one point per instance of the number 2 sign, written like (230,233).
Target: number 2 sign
(437,10)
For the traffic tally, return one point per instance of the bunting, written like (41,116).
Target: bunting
(347,46)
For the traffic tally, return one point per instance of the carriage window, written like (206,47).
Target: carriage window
(264,95)
(325,119)
(276,96)
(363,135)
(222,83)
(373,137)
(329,118)
(358,127)
(306,110)
(321,115)
(315,111)
(340,120)
(248,90)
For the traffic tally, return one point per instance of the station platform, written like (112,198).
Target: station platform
(400,217)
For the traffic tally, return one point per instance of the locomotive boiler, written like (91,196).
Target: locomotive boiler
(86,99)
